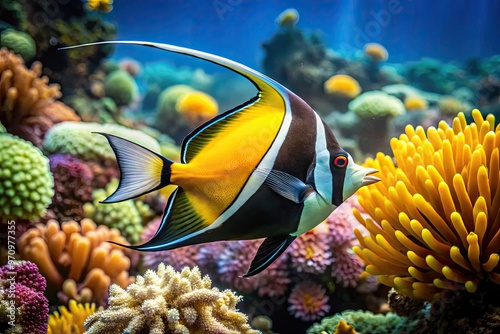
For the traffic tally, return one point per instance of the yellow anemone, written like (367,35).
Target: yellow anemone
(436,222)
(70,320)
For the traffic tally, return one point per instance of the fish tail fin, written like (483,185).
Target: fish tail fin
(141,169)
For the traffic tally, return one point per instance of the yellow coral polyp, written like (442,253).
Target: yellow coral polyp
(415,102)
(70,320)
(376,52)
(342,85)
(196,107)
(435,222)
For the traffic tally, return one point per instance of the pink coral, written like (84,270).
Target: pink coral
(310,253)
(29,300)
(177,258)
(308,301)
(72,185)
(346,267)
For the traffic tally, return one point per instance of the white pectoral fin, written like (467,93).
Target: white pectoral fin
(285,184)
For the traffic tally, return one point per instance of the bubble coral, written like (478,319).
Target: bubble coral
(25,179)
(76,260)
(415,102)
(78,140)
(196,107)
(435,223)
(167,301)
(70,319)
(72,185)
(364,322)
(18,42)
(342,85)
(121,87)
(308,301)
(376,52)
(22,288)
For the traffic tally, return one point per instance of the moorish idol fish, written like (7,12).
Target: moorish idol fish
(268,168)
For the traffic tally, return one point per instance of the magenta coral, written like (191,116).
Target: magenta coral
(30,302)
(72,184)
(308,301)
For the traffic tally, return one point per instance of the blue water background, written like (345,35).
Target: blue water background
(409,29)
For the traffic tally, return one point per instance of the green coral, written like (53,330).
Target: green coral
(377,104)
(2,128)
(364,322)
(19,42)
(167,118)
(121,87)
(26,183)
(77,139)
(126,216)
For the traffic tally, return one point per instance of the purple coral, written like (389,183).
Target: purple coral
(72,185)
(28,285)
(308,301)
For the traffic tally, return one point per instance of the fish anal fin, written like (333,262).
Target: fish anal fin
(268,252)
(285,184)
(180,222)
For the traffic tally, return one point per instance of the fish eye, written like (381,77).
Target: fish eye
(340,161)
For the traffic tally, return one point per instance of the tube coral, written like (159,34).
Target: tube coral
(76,260)
(70,319)
(435,224)
(167,301)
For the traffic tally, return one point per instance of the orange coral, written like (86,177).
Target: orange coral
(376,52)
(196,107)
(76,260)
(26,98)
(343,86)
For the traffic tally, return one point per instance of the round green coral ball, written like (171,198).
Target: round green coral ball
(124,216)
(19,42)
(26,183)
(121,87)
(77,139)
(377,104)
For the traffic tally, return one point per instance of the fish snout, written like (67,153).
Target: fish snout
(369,178)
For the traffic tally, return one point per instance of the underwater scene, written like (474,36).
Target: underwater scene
(249,166)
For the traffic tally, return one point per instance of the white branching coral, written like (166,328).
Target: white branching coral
(167,301)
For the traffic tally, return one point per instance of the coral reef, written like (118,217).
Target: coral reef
(376,52)
(364,322)
(375,109)
(25,179)
(23,307)
(415,102)
(19,42)
(76,259)
(72,185)
(196,108)
(435,226)
(308,301)
(124,216)
(342,85)
(78,140)
(70,319)
(27,101)
(167,301)
(121,87)
(450,106)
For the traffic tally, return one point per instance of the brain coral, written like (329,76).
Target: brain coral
(25,179)
(19,42)
(22,287)
(78,140)
(76,260)
(121,87)
(377,104)
(167,301)
(435,224)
